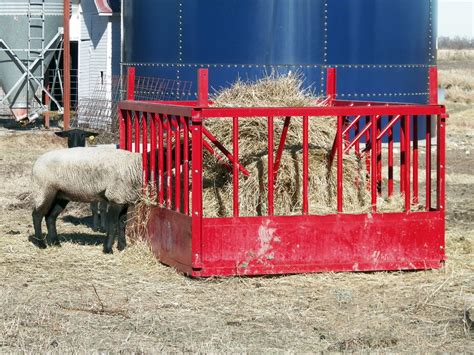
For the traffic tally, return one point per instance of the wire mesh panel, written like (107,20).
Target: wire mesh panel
(98,111)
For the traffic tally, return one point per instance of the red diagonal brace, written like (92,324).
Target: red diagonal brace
(223,150)
(281,146)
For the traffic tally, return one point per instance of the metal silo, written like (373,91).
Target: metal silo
(30,31)
(382,49)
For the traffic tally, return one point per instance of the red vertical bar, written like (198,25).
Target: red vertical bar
(281,146)
(402,154)
(129,130)
(235,152)
(161,158)
(441,161)
(203,88)
(415,159)
(153,151)
(356,132)
(390,159)
(305,164)
(122,130)
(428,162)
(270,166)
(331,85)
(196,129)
(146,171)
(177,165)
(373,155)
(379,157)
(433,80)
(169,161)
(340,152)
(131,83)
(137,132)
(407,164)
(368,144)
(184,124)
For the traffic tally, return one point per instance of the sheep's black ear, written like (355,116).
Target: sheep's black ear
(62,134)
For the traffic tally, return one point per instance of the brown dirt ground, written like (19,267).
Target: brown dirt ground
(75,299)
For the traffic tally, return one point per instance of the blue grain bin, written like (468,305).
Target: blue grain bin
(381,48)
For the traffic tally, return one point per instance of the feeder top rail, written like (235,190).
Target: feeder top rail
(338,108)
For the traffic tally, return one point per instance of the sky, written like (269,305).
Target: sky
(456,18)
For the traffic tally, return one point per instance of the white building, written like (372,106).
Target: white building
(95,25)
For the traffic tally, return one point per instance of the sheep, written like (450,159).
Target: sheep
(88,174)
(76,137)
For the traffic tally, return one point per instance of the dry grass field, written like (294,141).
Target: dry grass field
(75,299)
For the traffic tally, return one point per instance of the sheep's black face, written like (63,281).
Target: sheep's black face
(76,137)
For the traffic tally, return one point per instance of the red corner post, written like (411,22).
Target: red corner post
(125,117)
(331,85)
(203,88)
(433,83)
(331,94)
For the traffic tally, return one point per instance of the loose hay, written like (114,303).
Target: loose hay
(278,91)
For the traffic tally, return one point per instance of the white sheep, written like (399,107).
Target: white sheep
(85,175)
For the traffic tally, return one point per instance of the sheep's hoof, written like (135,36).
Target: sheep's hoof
(108,251)
(40,243)
(55,243)
(121,247)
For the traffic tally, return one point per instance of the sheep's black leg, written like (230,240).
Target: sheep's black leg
(95,215)
(38,239)
(112,224)
(122,242)
(103,216)
(57,207)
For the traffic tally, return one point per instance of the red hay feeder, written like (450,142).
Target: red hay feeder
(181,237)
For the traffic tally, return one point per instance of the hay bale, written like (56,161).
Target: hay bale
(278,91)
(272,91)
(288,188)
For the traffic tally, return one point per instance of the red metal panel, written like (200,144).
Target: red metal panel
(170,237)
(290,244)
